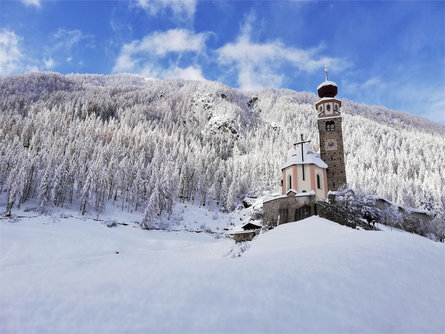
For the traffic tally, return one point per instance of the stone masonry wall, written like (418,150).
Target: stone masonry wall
(335,158)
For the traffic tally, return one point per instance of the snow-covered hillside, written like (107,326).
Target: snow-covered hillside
(75,275)
(142,144)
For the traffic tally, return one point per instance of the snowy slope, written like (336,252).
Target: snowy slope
(310,276)
(207,141)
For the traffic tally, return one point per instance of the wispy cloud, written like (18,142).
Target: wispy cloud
(63,45)
(373,84)
(147,56)
(63,39)
(436,107)
(35,3)
(181,9)
(400,93)
(175,40)
(172,72)
(10,54)
(258,64)
(49,63)
(13,56)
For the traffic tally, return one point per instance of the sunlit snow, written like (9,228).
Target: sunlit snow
(77,275)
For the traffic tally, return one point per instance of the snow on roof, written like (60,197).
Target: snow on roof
(326,99)
(309,158)
(239,229)
(310,193)
(274,198)
(329,117)
(327,83)
(336,193)
(256,224)
(242,231)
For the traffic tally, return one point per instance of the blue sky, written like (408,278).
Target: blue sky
(389,53)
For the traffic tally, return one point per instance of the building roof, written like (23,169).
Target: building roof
(297,194)
(327,99)
(326,83)
(250,226)
(327,89)
(309,158)
(303,194)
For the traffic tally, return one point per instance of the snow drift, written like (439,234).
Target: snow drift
(309,276)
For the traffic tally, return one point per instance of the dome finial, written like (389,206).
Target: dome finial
(326,71)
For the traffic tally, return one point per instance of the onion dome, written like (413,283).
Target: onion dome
(327,88)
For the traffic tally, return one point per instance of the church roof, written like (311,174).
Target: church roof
(326,83)
(309,158)
(327,89)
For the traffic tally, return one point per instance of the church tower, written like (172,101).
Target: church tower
(330,132)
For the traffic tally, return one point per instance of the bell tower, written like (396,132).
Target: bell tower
(330,132)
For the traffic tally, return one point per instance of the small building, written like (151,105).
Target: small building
(246,232)
(304,183)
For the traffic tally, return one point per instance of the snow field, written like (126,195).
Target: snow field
(310,276)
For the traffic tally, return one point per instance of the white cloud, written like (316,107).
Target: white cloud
(66,39)
(49,63)
(35,3)
(181,9)
(435,111)
(258,63)
(145,56)
(63,46)
(172,72)
(373,84)
(10,54)
(175,40)
(159,44)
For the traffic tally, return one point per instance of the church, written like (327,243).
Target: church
(308,176)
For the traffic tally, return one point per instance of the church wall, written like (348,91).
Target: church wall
(310,181)
(284,182)
(288,172)
(321,193)
(287,208)
(306,184)
(294,178)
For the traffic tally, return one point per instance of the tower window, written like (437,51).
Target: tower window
(318,182)
(335,106)
(321,108)
(289,185)
(328,107)
(330,126)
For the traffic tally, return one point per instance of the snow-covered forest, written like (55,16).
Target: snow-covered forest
(93,140)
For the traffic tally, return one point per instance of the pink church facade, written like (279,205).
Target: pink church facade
(305,175)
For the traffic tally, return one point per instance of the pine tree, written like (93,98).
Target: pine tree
(150,214)
(86,197)
(44,192)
